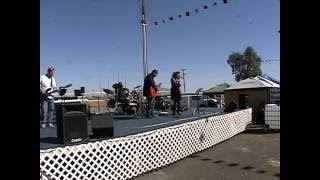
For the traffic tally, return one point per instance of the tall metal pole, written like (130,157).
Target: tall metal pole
(184,80)
(144,34)
(125,79)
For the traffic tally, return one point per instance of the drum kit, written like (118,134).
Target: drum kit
(162,103)
(124,101)
(132,102)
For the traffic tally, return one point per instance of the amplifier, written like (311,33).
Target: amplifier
(102,125)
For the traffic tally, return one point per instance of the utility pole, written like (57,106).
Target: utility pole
(125,79)
(184,79)
(144,34)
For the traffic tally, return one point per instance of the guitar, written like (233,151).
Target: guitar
(50,91)
(153,92)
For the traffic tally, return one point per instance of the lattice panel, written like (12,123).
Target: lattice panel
(272,116)
(126,157)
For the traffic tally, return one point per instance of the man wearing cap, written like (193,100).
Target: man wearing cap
(147,85)
(47,85)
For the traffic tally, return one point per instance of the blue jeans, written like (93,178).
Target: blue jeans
(176,107)
(47,110)
(150,107)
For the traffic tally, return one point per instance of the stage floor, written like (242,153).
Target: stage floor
(128,125)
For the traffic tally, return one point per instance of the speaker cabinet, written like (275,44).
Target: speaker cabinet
(77,92)
(72,126)
(102,125)
(82,89)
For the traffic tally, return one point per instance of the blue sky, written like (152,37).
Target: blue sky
(93,42)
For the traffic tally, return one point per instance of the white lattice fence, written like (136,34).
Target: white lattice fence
(126,157)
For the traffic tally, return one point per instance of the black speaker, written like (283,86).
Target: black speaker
(102,125)
(72,124)
(77,92)
(82,89)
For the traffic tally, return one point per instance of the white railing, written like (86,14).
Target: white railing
(126,157)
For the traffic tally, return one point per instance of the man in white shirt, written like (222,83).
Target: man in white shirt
(47,89)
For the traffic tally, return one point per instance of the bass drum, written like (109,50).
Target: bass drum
(133,107)
(111,103)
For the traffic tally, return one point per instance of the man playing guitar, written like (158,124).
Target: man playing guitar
(47,89)
(150,92)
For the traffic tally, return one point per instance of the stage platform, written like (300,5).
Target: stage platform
(129,125)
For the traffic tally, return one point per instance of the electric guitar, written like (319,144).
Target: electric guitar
(50,91)
(153,91)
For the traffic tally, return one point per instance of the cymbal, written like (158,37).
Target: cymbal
(108,91)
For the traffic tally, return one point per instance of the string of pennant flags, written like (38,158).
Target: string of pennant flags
(187,13)
(270,60)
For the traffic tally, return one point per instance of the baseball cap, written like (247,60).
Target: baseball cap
(155,72)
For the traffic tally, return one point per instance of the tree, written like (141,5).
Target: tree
(245,65)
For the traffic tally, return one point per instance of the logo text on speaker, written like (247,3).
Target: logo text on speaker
(76,140)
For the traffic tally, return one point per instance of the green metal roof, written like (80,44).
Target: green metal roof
(218,89)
